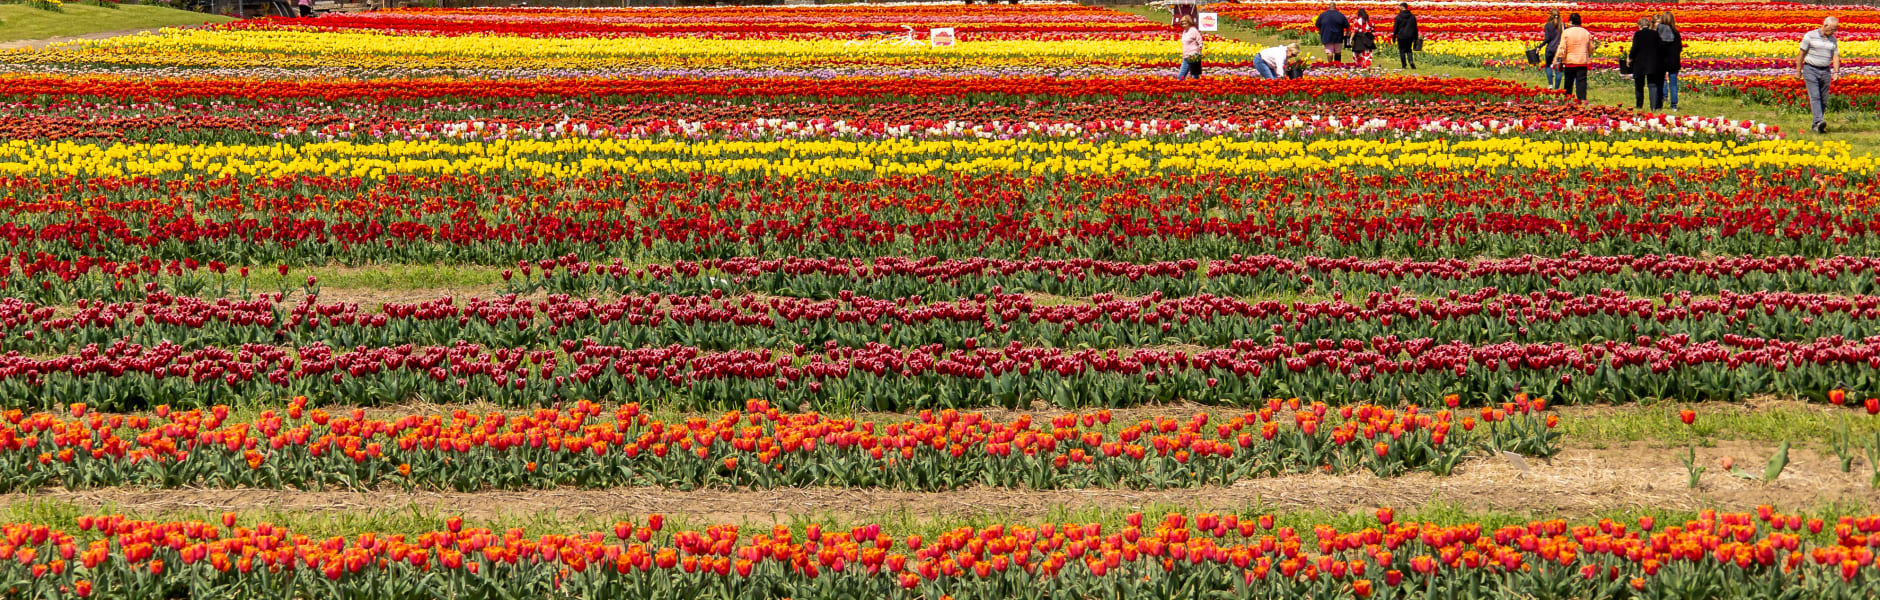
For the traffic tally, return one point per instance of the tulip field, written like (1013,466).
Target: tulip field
(1738,49)
(513,258)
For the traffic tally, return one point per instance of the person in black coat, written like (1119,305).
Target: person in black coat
(1670,56)
(1404,30)
(1645,70)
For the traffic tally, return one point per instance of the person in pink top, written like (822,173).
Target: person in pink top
(1191,49)
(306,8)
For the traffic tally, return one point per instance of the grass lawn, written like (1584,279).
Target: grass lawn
(20,22)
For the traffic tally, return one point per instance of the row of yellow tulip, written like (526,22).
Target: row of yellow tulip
(226,48)
(572,157)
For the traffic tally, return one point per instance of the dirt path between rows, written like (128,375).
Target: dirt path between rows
(42,44)
(1575,484)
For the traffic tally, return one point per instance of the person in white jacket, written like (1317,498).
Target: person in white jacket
(1271,62)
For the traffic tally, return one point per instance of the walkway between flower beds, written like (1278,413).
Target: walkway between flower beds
(1580,483)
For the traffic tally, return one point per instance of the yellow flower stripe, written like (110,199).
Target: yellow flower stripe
(573,157)
(221,48)
(1512,49)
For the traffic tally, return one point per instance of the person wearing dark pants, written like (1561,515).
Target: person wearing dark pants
(1191,49)
(1646,76)
(1573,81)
(1404,30)
(1576,54)
(1818,66)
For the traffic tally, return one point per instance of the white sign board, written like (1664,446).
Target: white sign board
(1208,22)
(941,37)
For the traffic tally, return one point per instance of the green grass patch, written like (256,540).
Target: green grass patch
(20,22)
(1805,425)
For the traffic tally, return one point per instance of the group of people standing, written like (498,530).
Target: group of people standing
(1337,32)
(1654,60)
(1656,57)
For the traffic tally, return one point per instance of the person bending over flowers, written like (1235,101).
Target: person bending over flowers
(1272,62)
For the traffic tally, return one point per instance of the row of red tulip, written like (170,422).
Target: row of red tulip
(319,119)
(762,447)
(117,89)
(877,377)
(1728,556)
(720,322)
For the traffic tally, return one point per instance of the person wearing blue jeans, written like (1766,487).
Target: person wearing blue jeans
(1191,49)
(1670,55)
(1271,62)
(1190,69)
(1550,43)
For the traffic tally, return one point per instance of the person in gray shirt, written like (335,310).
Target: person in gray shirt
(1819,65)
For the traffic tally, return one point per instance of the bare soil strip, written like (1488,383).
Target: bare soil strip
(1578,483)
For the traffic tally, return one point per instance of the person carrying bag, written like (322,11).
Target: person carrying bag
(1550,41)
(1404,31)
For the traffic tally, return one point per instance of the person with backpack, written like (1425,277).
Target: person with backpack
(1670,56)
(1644,61)
(1576,55)
(1333,29)
(1404,31)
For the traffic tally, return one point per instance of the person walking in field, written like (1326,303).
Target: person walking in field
(1670,56)
(1363,39)
(1550,45)
(1576,54)
(1818,66)
(1333,29)
(306,8)
(1645,73)
(1404,31)
(1191,50)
